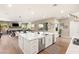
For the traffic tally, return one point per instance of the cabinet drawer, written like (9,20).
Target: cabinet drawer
(34,46)
(34,42)
(34,49)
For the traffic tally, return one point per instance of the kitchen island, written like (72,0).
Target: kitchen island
(29,43)
(32,43)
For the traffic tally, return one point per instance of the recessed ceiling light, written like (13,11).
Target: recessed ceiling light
(62,11)
(32,12)
(9,5)
(68,15)
(44,16)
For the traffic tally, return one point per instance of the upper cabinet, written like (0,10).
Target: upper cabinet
(74,29)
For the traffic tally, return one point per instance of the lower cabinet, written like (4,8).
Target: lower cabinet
(30,46)
(48,40)
(21,42)
(35,45)
(56,35)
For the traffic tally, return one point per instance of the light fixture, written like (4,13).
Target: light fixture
(68,15)
(32,12)
(40,25)
(33,25)
(44,16)
(62,11)
(9,5)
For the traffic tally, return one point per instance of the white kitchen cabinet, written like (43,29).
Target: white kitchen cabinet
(32,44)
(56,35)
(74,29)
(30,47)
(21,42)
(48,40)
(29,43)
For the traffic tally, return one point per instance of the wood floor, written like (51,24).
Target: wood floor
(60,47)
(9,45)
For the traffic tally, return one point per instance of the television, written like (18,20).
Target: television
(15,25)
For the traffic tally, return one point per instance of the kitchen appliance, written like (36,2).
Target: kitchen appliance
(41,44)
(53,39)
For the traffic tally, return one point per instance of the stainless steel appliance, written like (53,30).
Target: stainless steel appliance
(41,43)
(53,39)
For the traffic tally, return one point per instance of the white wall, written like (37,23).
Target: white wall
(74,29)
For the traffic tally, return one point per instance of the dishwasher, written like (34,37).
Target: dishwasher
(41,43)
(53,39)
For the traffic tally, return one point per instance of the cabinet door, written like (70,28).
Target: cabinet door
(27,47)
(30,46)
(56,35)
(48,41)
(21,42)
(34,46)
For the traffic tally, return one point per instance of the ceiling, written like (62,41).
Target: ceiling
(33,12)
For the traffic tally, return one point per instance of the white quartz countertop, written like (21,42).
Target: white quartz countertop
(48,33)
(31,36)
(73,49)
